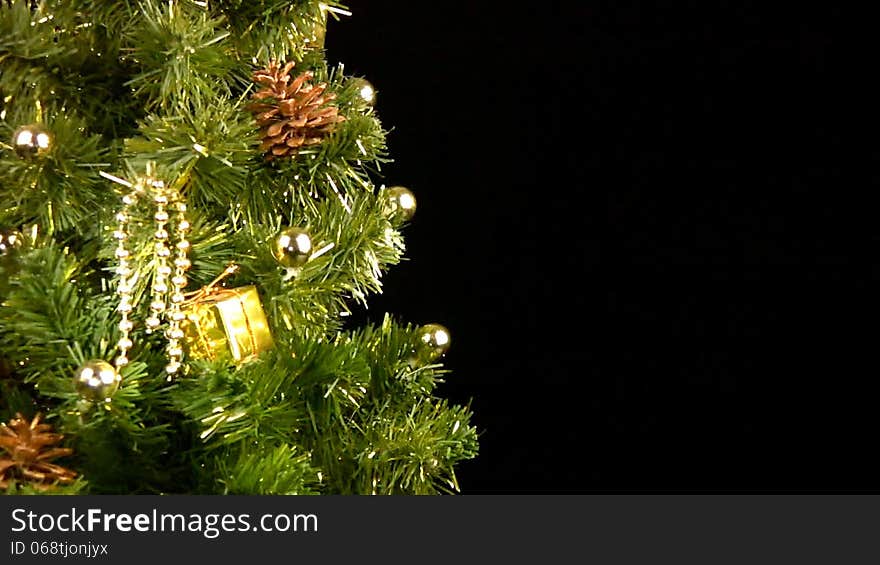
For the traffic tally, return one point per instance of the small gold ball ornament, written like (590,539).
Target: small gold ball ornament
(400,204)
(433,342)
(31,141)
(9,240)
(366,92)
(97,381)
(293,247)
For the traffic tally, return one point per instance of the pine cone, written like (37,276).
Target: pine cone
(27,457)
(292,114)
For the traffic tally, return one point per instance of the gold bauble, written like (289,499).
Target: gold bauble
(97,381)
(317,42)
(400,204)
(31,141)
(9,240)
(433,342)
(365,91)
(293,247)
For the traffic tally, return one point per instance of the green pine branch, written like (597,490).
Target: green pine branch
(123,86)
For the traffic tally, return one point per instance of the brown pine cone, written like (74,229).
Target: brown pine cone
(292,114)
(28,452)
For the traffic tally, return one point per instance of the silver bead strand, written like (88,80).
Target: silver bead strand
(124,289)
(160,254)
(178,284)
(167,296)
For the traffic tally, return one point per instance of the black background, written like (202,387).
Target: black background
(630,219)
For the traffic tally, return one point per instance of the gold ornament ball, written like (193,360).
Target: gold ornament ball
(293,247)
(31,141)
(9,240)
(97,380)
(400,204)
(366,92)
(434,341)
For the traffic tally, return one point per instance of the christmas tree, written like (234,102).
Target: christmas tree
(188,216)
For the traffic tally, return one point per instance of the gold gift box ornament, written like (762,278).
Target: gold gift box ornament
(226,323)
